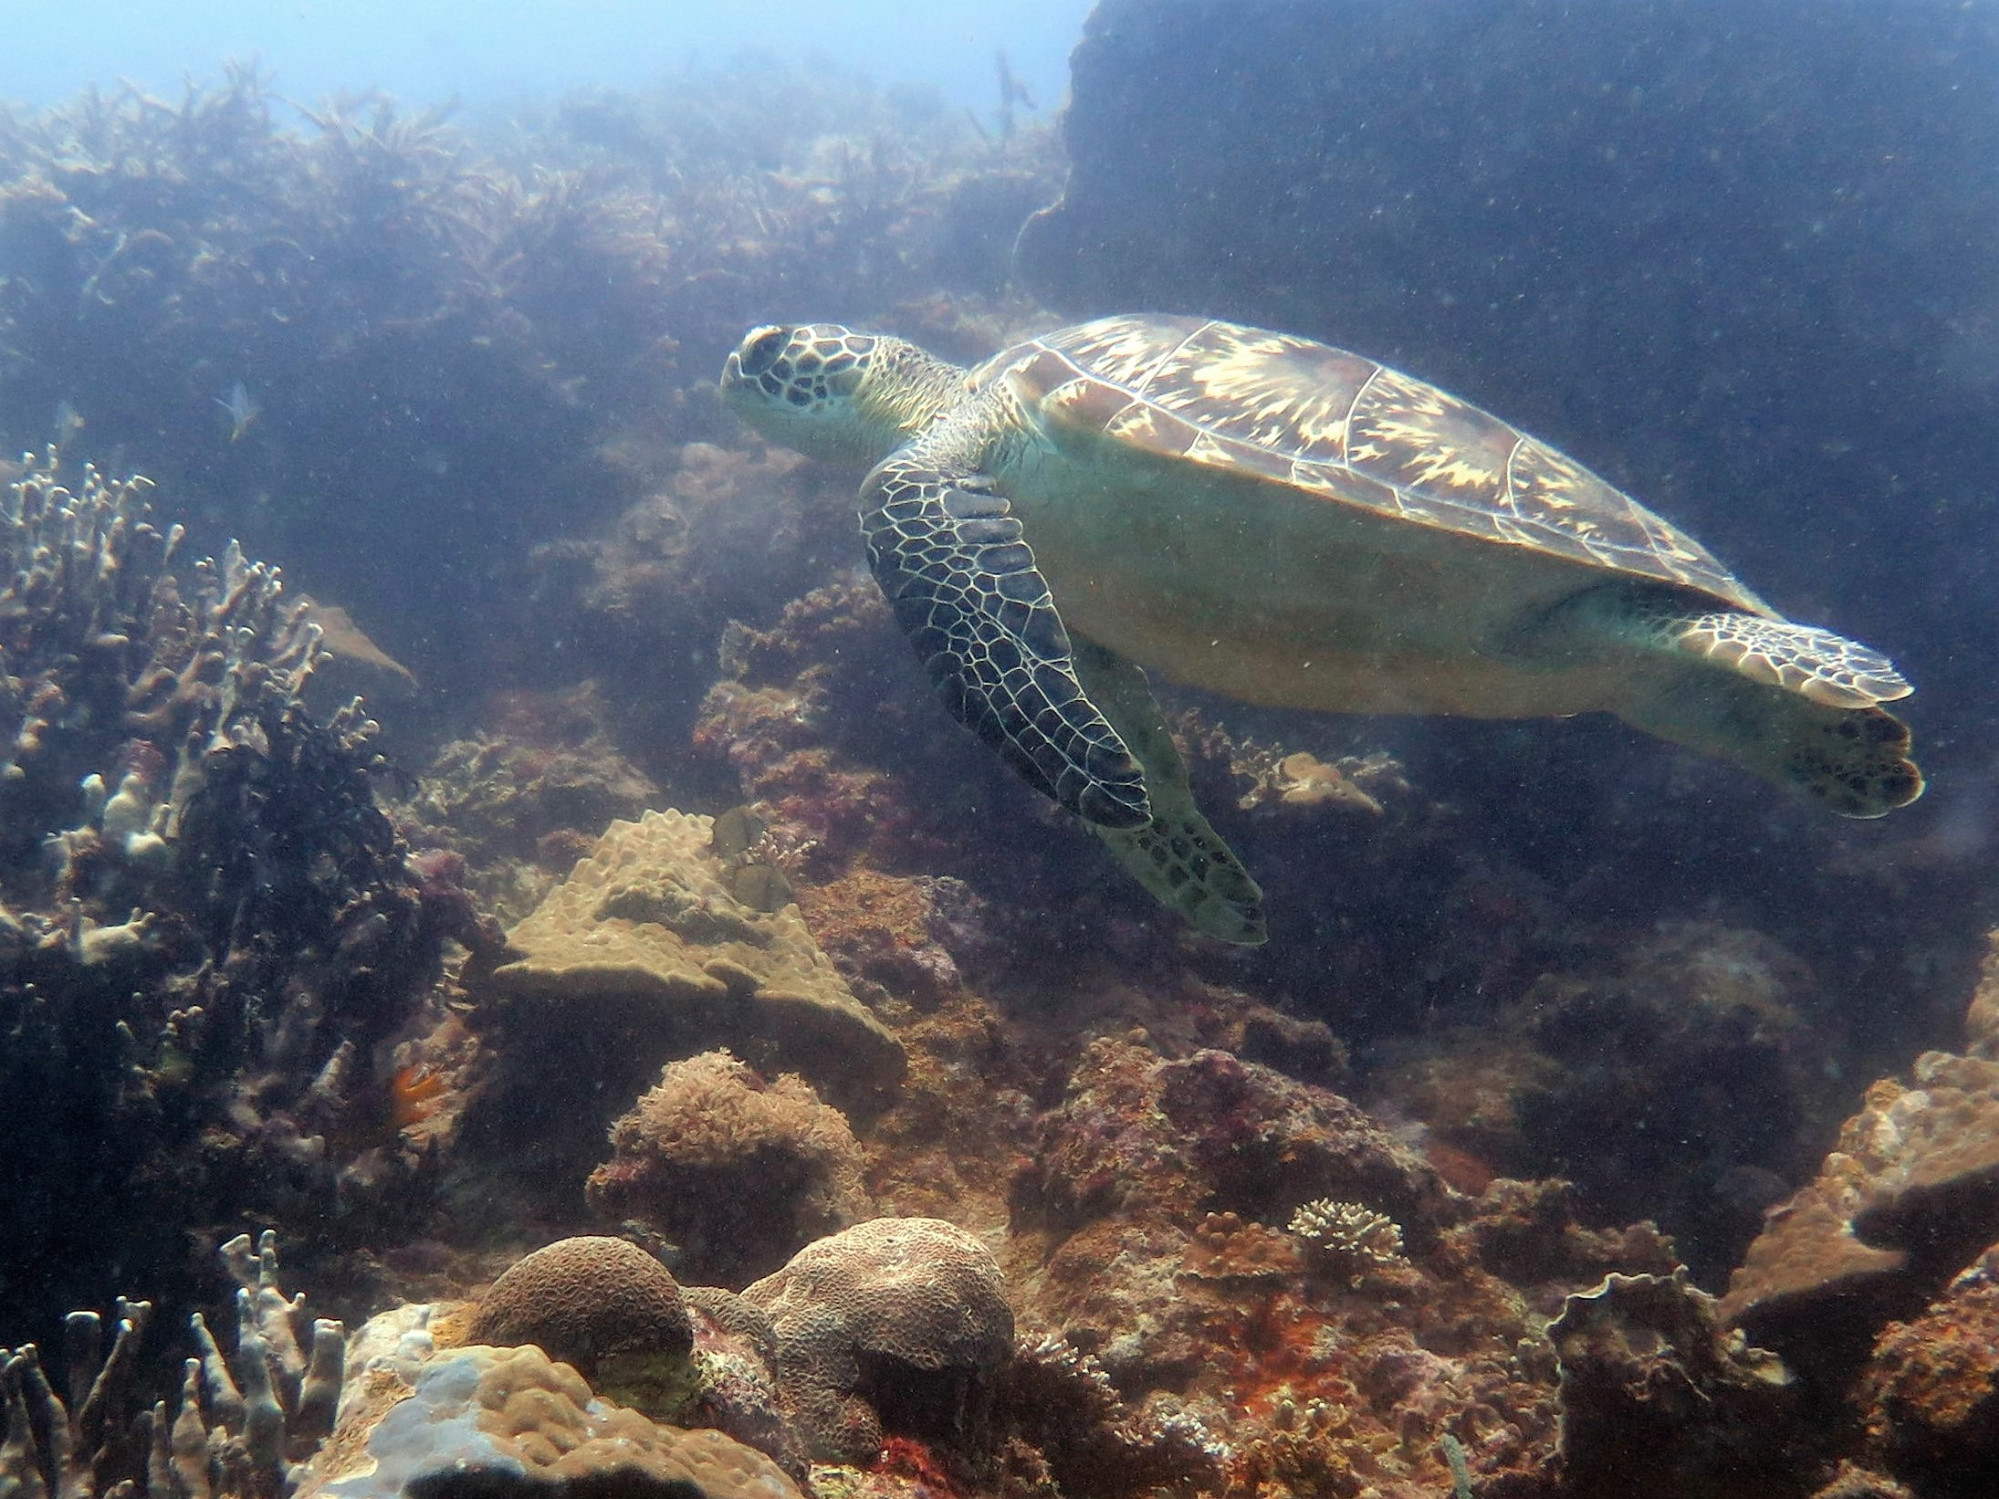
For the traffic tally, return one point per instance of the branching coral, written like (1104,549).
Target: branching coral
(238,1432)
(1352,1235)
(211,922)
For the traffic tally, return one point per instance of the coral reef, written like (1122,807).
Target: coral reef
(459,378)
(238,1433)
(214,931)
(1659,1400)
(682,1156)
(894,1325)
(508,1421)
(583,1301)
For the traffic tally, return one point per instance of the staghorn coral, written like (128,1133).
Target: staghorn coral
(711,1127)
(895,1325)
(213,924)
(584,1300)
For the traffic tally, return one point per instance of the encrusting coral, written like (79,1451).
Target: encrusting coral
(684,1153)
(511,1424)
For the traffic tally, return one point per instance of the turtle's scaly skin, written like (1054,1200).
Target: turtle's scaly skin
(1292,524)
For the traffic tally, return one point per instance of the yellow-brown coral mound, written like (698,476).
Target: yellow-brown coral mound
(581,1300)
(737,1171)
(648,918)
(507,1423)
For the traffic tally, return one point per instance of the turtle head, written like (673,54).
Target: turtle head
(830,392)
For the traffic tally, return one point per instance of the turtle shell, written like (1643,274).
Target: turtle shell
(1348,430)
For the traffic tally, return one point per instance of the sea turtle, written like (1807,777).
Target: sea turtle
(1286,523)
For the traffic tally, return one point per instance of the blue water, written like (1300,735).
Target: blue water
(432,50)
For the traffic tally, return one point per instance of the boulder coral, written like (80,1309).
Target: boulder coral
(738,1172)
(584,1300)
(898,1324)
(647,923)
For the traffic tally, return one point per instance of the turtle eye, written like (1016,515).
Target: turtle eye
(761,352)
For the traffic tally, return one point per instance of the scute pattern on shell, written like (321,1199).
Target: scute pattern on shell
(1340,426)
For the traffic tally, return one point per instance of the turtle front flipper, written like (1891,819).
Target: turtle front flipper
(1177,855)
(963,585)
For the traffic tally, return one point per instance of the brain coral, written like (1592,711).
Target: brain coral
(582,1300)
(898,1323)
(712,1128)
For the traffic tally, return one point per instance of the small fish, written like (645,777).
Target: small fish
(69,422)
(242,408)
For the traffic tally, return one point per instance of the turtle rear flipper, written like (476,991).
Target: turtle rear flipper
(964,588)
(1795,705)
(1177,855)
(1855,760)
